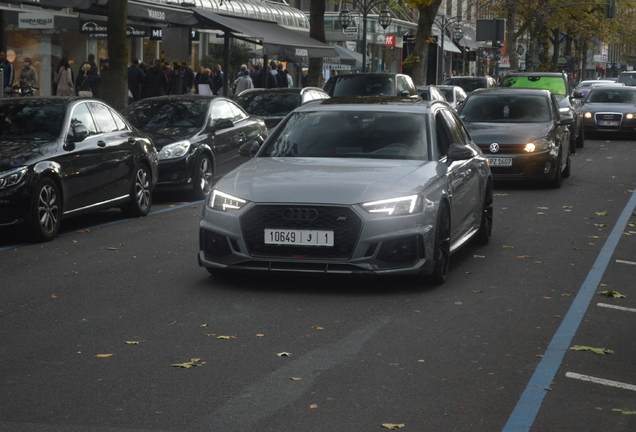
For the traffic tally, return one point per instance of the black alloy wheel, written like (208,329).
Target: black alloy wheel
(485,228)
(140,194)
(441,252)
(46,211)
(555,183)
(203,177)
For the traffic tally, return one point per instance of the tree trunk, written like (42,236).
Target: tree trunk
(114,85)
(424,36)
(556,43)
(316,31)
(511,43)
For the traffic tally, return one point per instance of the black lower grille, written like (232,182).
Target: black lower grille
(503,148)
(343,221)
(402,250)
(214,245)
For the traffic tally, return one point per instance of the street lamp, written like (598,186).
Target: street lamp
(365,6)
(443,23)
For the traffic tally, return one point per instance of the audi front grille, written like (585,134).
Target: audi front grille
(343,221)
(616,117)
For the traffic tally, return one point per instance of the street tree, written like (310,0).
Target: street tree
(427,11)
(115,79)
(316,31)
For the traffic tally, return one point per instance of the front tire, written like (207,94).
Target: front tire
(555,183)
(441,247)
(580,140)
(485,228)
(203,177)
(46,211)
(140,194)
(568,167)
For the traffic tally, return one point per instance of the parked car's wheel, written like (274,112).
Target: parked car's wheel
(580,140)
(568,167)
(485,228)
(46,211)
(555,183)
(203,177)
(140,194)
(442,246)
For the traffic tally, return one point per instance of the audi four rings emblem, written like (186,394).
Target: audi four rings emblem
(608,117)
(300,214)
(494,147)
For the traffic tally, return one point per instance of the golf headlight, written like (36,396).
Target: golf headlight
(587,115)
(539,145)
(224,202)
(173,151)
(11,177)
(395,206)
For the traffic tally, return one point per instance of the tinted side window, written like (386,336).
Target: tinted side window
(221,110)
(454,126)
(121,124)
(103,117)
(82,116)
(443,135)
(239,114)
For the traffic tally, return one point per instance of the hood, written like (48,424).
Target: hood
(609,107)
(165,136)
(21,153)
(327,180)
(507,133)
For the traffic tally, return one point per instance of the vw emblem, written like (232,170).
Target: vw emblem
(494,147)
(300,214)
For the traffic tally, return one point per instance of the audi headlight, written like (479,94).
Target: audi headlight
(173,151)
(224,202)
(629,116)
(539,145)
(587,115)
(395,206)
(12,177)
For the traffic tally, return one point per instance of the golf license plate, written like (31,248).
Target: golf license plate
(608,123)
(298,237)
(500,161)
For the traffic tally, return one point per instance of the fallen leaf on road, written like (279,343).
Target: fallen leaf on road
(53,296)
(542,208)
(557,316)
(541,213)
(84,231)
(133,342)
(603,213)
(611,293)
(104,355)
(211,334)
(312,406)
(393,426)
(317,327)
(524,256)
(284,354)
(222,337)
(416,311)
(479,256)
(508,247)
(567,207)
(600,225)
(458,303)
(601,351)
(204,325)
(624,411)
(566,295)
(420,361)
(477,291)
(296,379)
(548,298)
(260,335)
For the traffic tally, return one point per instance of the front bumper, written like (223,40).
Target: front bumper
(595,124)
(375,245)
(176,173)
(535,166)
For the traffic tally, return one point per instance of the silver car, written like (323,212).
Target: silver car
(388,186)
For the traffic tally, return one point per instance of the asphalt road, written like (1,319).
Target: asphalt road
(488,351)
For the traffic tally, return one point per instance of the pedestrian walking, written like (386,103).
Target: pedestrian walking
(217,82)
(84,82)
(290,81)
(243,83)
(188,77)
(9,73)
(64,79)
(28,74)
(156,79)
(135,78)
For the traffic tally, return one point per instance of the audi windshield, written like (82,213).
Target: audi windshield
(351,134)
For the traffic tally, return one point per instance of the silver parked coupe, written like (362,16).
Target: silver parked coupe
(384,186)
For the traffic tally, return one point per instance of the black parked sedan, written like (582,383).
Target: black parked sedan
(198,138)
(610,110)
(62,157)
(273,104)
(521,131)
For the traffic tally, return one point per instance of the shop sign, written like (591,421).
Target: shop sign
(100,29)
(35,21)
(156,33)
(389,40)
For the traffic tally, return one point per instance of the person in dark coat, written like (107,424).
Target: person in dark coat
(281,76)
(188,76)
(203,77)
(265,79)
(135,78)
(217,81)
(156,80)
(84,84)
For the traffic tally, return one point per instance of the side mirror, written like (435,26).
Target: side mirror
(221,124)
(566,119)
(578,95)
(404,93)
(77,134)
(249,149)
(458,152)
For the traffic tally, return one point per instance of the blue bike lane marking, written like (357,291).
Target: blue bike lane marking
(109,223)
(527,409)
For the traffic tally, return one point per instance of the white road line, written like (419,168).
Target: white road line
(605,305)
(601,381)
(626,262)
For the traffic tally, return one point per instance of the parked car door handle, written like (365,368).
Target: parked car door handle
(101,143)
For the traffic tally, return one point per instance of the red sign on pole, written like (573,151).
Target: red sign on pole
(390,40)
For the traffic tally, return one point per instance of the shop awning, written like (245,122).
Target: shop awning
(61,4)
(279,41)
(157,13)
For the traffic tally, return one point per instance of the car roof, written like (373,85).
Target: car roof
(542,74)
(378,103)
(512,90)
(183,97)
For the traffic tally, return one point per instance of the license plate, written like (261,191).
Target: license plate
(608,123)
(298,237)
(500,161)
